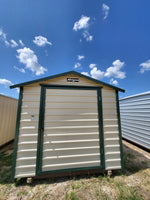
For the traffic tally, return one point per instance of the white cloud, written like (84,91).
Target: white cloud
(80,57)
(97,74)
(114,82)
(30,60)
(19,69)
(13,43)
(145,66)
(87,36)
(21,43)
(83,23)
(85,73)
(77,65)
(92,66)
(115,70)
(5,82)
(41,41)
(105,9)
(7,43)
(3,37)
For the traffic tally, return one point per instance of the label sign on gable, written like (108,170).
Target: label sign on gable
(72,80)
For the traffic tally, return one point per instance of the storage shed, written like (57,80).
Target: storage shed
(67,122)
(135,118)
(8,114)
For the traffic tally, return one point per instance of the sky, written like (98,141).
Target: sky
(107,40)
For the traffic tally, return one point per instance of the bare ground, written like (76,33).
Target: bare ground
(134,184)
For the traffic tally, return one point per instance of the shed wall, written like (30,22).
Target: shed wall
(135,119)
(8,113)
(28,133)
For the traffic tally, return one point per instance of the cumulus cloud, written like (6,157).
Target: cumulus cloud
(87,36)
(19,69)
(115,70)
(5,82)
(80,57)
(77,65)
(13,43)
(85,73)
(97,74)
(92,66)
(105,9)
(41,41)
(83,23)
(21,43)
(3,37)
(114,82)
(145,66)
(30,60)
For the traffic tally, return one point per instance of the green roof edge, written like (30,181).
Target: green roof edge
(63,74)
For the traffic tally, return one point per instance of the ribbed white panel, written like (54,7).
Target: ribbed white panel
(71,130)
(135,118)
(8,113)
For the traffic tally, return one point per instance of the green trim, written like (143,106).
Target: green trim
(41,130)
(17,133)
(120,134)
(100,116)
(64,74)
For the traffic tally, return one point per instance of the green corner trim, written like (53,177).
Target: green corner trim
(101,131)
(64,74)
(17,134)
(41,129)
(120,134)
(40,132)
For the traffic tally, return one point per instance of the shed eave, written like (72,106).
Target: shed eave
(64,74)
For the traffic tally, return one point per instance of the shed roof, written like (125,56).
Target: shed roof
(64,74)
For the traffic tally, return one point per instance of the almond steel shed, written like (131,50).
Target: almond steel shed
(67,122)
(8,114)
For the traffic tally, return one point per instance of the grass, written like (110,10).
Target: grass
(134,184)
(5,166)
(129,162)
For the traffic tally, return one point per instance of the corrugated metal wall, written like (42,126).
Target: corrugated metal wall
(71,130)
(135,118)
(8,113)
(28,132)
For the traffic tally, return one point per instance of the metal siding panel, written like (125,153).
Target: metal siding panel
(135,118)
(65,133)
(111,131)
(28,132)
(8,113)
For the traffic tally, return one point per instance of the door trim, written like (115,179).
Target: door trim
(41,128)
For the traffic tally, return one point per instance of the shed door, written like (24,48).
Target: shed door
(69,129)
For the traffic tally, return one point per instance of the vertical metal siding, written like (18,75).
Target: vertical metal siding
(135,118)
(8,113)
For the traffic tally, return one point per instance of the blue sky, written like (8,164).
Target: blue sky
(107,40)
